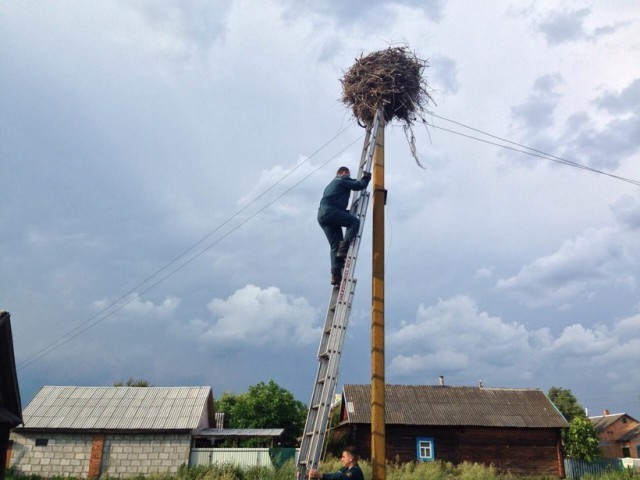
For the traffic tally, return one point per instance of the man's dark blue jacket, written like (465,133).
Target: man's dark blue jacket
(337,193)
(353,473)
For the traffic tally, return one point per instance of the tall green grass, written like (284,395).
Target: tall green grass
(407,471)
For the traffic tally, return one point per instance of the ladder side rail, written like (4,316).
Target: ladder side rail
(324,409)
(312,415)
(335,330)
(325,383)
(372,138)
(330,355)
(320,408)
(329,319)
(333,352)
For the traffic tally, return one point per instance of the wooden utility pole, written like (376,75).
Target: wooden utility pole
(378,447)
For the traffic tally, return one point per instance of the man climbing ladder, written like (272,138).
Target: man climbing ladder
(333,215)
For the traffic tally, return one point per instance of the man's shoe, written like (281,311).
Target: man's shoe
(336,276)
(343,249)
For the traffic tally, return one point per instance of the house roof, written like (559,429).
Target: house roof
(120,408)
(631,434)
(455,406)
(602,422)
(10,405)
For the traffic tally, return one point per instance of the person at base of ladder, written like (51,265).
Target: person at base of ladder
(333,215)
(350,470)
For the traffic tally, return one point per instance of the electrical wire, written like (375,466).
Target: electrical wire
(98,317)
(529,150)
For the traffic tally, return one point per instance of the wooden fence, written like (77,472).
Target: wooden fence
(575,469)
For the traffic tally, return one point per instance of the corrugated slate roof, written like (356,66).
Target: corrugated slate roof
(455,406)
(602,422)
(118,408)
(630,435)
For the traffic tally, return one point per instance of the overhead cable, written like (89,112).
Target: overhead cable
(528,150)
(133,293)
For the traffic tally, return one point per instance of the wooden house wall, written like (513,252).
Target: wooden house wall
(519,451)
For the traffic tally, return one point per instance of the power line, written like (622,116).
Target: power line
(529,150)
(98,317)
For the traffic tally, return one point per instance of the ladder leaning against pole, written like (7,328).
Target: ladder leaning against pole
(335,326)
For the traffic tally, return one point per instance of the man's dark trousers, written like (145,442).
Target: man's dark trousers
(332,220)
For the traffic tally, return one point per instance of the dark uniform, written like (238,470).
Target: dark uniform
(353,473)
(333,214)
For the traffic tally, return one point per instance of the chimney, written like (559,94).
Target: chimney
(605,412)
(441,380)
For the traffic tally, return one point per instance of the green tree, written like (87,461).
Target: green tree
(566,402)
(133,382)
(226,404)
(265,405)
(582,440)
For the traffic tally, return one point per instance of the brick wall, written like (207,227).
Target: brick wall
(609,444)
(123,455)
(128,455)
(64,454)
(95,461)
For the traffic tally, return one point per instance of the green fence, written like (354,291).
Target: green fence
(575,469)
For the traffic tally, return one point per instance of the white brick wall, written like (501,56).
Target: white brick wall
(128,455)
(64,454)
(123,455)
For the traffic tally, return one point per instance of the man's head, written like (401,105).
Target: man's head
(349,457)
(343,171)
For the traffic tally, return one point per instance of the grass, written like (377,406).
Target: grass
(407,471)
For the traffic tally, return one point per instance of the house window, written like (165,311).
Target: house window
(42,442)
(626,452)
(424,447)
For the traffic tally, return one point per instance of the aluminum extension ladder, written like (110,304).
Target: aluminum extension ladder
(335,326)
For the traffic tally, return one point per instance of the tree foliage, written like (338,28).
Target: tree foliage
(133,382)
(582,440)
(265,405)
(566,402)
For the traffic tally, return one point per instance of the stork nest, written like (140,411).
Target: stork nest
(390,79)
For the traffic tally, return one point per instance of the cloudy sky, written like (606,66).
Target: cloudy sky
(162,162)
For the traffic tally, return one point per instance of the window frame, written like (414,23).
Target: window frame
(432,449)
